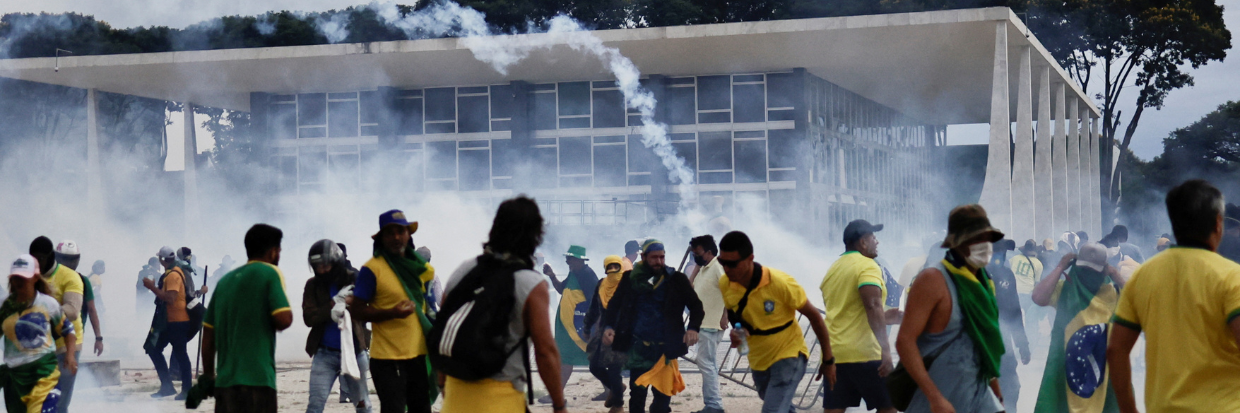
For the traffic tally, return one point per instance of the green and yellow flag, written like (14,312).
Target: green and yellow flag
(1076,379)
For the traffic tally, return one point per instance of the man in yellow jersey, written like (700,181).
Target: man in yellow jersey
(390,293)
(765,302)
(68,290)
(248,308)
(1187,302)
(854,292)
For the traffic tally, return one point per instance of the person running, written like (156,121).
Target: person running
(68,289)
(645,319)
(68,255)
(606,364)
(248,308)
(951,318)
(390,293)
(1027,268)
(854,292)
(1187,302)
(705,279)
(170,327)
(324,342)
(1011,322)
(32,320)
(575,292)
(764,302)
(516,231)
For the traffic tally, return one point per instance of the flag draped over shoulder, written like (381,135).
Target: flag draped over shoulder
(1076,379)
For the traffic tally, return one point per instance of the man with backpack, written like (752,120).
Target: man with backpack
(171,325)
(390,293)
(645,318)
(492,305)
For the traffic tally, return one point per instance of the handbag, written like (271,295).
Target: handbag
(900,384)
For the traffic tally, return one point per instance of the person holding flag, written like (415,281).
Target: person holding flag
(570,325)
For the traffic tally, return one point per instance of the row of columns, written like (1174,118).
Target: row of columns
(1039,188)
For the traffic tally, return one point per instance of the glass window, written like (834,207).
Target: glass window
(441,127)
(501,102)
(715,150)
(442,157)
(784,148)
(608,109)
(371,107)
(312,109)
(681,109)
(310,164)
(575,156)
(640,157)
(750,161)
(544,111)
(609,165)
(715,177)
(502,154)
(783,91)
(714,92)
(714,117)
(574,123)
(475,169)
(440,104)
(283,121)
(287,167)
(474,114)
(408,116)
(342,119)
(574,98)
(343,171)
(688,151)
(544,160)
(750,103)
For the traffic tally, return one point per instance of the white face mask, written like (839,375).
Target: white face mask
(979,254)
(1112,252)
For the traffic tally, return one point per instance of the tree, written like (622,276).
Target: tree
(1207,149)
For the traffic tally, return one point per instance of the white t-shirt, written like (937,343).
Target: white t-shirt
(706,285)
(525,282)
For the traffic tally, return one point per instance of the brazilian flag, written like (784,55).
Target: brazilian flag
(570,320)
(1076,376)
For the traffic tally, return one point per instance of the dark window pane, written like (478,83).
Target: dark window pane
(784,148)
(750,161)
(681,109)
(608,109)
(442,156)
(370,130)
(544,86)
(312,132)
(606,84)
(749,134)
(715,178)
(544,141)
(714,92)
(502,157)
(544,111)
(441,104)
(472,144)
(287,167)
(371,107)
(681,81)
(501,102)
(574,156)
(682,136)
(501,125)
(445,127)
(715,117)
(715,150)
(544,160)
(688,151)
(283,98)
(640,157)
(786,114)
(783,176)
(750,103)
(635,120)
(747,78)
(408,116)
(342,119)
(639,179)
(609,166)
(344,95)
(473,114)
(409,93)
(475,170)
(783,90)
(311,109)
(284,121)
(574,123)
(574,98)
(609,139)
(471,90)
(311,164)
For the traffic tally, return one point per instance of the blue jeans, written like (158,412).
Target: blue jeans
(708,363)
(777,385)
(325,368)
(66,381)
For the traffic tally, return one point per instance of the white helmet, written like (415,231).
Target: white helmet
(68,247)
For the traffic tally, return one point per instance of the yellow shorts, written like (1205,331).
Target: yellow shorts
(485,395)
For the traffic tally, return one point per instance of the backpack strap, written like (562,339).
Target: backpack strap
(737,316)
(529,377)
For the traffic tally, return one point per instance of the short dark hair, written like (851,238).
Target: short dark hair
(1194,208)
(737,242)
(1120,232)
(1084,236)
(707,243)
(1110,240)
(632,247)
(517,228)
(260,239)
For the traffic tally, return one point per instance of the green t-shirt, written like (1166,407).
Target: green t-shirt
(87,296)
(240,314)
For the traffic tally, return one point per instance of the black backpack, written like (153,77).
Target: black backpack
(469,337)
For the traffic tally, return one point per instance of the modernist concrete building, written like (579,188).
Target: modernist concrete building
(819,121)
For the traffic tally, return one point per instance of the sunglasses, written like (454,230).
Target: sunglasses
(731,263)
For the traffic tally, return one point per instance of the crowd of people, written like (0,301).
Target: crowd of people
(964,316)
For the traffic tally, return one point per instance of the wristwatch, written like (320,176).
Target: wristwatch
(829,361)
(98,338)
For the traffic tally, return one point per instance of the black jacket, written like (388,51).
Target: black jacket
(621,313)
(316,312)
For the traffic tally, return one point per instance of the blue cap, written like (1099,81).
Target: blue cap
(396,217)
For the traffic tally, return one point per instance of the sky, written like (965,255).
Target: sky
(1216,83)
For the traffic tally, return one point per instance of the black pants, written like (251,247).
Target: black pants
(246,399)
(610,376)
(637,396)
(401,383)
(176,334)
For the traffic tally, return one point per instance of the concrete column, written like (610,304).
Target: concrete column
(997,189)
(1096,174)
(191,171)
(1088,179)
(1059,164)
(1042,182)
(1073,183)
(1024,217)
(94,180)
